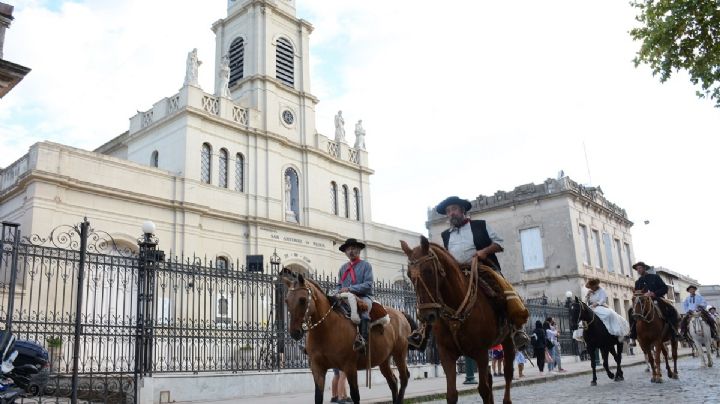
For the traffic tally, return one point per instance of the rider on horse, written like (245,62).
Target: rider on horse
(356,276)
(695,303)
(467,240)
(653,286)
(597,300)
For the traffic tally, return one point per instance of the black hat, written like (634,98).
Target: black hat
(691,286)
(452,200)
(640,264)
(351,242)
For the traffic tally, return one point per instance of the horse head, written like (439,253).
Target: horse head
(426,270)
(579,311)
(642,305)
(300,302)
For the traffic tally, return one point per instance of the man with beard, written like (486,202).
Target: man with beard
(356,276)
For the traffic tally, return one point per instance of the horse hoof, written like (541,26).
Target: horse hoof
(610,375)
(593,383)
(619,378)
(675,377)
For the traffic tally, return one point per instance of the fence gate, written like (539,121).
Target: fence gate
(75,292)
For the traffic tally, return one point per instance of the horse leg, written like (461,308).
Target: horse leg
(400,360)
(391,379)
(673,346)
(618,360)
(659,348)
(353,383)
(593,358)
(650,356)
(448,361)
(606,363)
(485,379)
(508,360)
(319,379)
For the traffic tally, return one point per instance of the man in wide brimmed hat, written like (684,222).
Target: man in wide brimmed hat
(356,276)
(695,303)
(653,286)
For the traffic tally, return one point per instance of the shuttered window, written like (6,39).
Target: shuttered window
(237,60)
(285,62)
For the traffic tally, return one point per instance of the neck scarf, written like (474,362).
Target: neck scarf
(350,270)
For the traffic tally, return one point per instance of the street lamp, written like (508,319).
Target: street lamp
(275,263)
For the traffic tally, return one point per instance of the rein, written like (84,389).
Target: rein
(455,316)
(641,314)
(592,313)
(306,324)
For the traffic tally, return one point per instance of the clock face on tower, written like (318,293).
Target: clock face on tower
(288,117)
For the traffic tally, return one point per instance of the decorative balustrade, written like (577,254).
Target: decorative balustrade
(240,115)
(9,175)
(211,104)
(354,156)
(333,149)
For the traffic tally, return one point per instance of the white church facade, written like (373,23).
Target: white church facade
(229,173)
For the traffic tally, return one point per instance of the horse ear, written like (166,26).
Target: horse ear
(577,300)
(406,249)
(425,244)
(287,276)
(301,279)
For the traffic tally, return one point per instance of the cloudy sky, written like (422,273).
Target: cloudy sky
(459,98)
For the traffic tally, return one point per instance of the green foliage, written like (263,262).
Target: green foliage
(54,342)
(681,35)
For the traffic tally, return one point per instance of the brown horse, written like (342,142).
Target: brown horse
(652,332)
(330,338)
(464,319)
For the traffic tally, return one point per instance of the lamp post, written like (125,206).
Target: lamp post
(279,310)
(148,260)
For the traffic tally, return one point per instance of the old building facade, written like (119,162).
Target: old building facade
(234,172)
(557,235)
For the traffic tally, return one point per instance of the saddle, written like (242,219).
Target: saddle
(352,307)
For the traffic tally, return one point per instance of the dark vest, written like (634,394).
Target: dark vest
(481,239)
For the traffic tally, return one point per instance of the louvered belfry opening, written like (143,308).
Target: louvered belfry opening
(285,63)
(236,60)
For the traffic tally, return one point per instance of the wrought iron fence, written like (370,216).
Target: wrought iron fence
(115,316)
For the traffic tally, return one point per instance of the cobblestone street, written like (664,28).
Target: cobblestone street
(696,385)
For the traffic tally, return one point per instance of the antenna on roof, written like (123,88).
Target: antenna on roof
(587,164)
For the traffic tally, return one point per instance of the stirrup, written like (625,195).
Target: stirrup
(520,339)
(415,339)
(359,344)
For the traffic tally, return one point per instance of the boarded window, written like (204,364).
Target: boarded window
(531,246)
(586,244)
(608,252)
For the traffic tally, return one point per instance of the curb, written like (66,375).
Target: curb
(466,391)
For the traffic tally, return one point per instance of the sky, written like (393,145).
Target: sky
(464,98)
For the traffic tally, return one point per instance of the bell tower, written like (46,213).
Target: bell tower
(267,49)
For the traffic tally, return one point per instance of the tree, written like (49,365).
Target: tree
(681,35)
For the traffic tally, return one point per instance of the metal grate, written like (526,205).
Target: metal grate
(223,166)
(237,60)
(239,173)
(333,198)
(285,62)
(205,164)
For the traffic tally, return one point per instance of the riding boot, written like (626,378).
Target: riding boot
(362,337)
(633,330)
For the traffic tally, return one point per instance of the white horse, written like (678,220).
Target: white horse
(702,337)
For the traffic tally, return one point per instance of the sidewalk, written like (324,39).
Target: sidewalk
(434,388)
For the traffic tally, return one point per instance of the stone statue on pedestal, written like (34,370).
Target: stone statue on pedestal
(359,136)
(191,68)
(224,77)
(339,128)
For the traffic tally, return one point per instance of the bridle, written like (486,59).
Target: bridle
(307,324)
(640,301)
(585,307)
(459,314)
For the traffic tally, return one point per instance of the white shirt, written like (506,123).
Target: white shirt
(598,297)
(461,245)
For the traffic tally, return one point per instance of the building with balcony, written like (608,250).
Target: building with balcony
(10,73)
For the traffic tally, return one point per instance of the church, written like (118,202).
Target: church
(234,174)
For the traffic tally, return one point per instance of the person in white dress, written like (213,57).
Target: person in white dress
(598,301)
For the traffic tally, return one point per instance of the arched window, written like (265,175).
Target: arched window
(206,163)
(239,172)
(333,198)
(223,168)
(292,202)
(237,60)
(154,159)
(221,263)
(356,203)
(345,199)
(285,62)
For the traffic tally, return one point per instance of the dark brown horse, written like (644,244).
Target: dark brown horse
(330,338)
(652,332)
(465,321)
